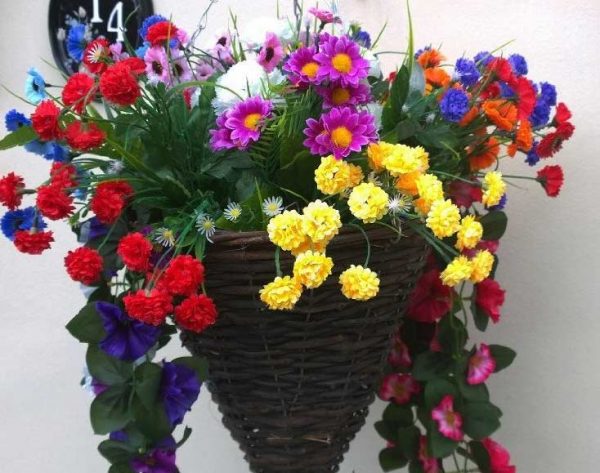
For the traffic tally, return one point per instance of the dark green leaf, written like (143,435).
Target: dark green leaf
(408,441)
(480,317)
(392,111)
(397,416)
(480,419)
(198,364)
(473,392)
(480,456)
(110,410)
(186,435)
(494,225)
(20,137)
(152,422)
(415,467)
(504,356)
(147,383)
(87,326)
(386,432)
(436,389)
(439,445)
(122,468)
(391,459)
(430,365)
(116,452)
(107,369)
(452,334)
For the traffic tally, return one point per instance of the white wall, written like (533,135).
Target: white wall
(549,259)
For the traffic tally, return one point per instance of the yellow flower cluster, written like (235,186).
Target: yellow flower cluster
(282,293)
(312,268)
(368,202)
(359,283)
(335,176)
(462,268)
(443,218)
(320,222)
(493,188)
(470,233)
(430,189)
(285,230)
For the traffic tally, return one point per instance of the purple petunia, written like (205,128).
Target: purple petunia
(454,105)
(179,389)
(336,95)
(339,59)
(340,132)
(160,459)
(301,67)
(466,72)
(126,339)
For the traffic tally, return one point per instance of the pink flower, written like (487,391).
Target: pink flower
(157,65)
(220,138)
(399,388)
(340,132)
(271,53)
(180,67)
(489,296)
(302,68)
(336,95)
(429,464)
(481,365)
(449,422)
(204,71)
(499,457)
(399,356)
(325,16)
(340,60)
(464,194)
(117,53)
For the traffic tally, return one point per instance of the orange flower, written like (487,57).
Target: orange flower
(502,113)
(407,183)
(470,116)
(486,156)
(430,58)
(437,77)
(524,138)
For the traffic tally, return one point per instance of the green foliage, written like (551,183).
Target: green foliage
(87,326)
(504,356)
(431,365)
(392,111)
(20,137)
(391,459)
(452,334)
(481,419)
(109,411)
(480,456)
(106,369)
(396,416)
(494,225)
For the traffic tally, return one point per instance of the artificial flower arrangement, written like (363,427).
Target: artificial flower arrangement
(286,126)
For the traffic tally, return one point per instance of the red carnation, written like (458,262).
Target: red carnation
(502,68)
(430,299)
(137,65)
(552,142)
(135,249)
(109,200)
(196,313)
(499,457)
(84,265)
(33,243)
(161,32)
(53,202)
(45,121)
(563,114)
(183,276)
(119,85)
(149,307)
(78,91)
(119,187)
(526,93)
(97,55)
(63,175)
(11,190)
(551,178)
(491,91)
(489,296)
(84,136)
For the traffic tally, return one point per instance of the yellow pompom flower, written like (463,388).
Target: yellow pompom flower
(312,268)
(430,189)
(332,176)
(482,264)
(282,293)
(458,270)
(307,245)
(376,152)
(470,233)
(285,230)
(321,222)
(368,202)
(404,160)
(359,283)
(356,175)
(493,188)
(443,218)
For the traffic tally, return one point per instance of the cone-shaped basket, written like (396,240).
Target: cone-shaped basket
(294,387)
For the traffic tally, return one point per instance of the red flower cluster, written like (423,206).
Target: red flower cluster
(53,202)
(499,457)
(84,265)
(551,178)
(84,136)
(97,55)
(148,307)
(430,299)
(196,313)
(552,142)
(183,276)
(119,83)
(134,250)
(79,91)
(109,200)
(33,242)
(489,296)
(399,356)
(11,188)
(63,175)
(161,32)
(45,121)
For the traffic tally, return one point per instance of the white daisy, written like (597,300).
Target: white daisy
(400,203)
(96,53)
(206,226)
(233,211)
(165,237)
(272,206)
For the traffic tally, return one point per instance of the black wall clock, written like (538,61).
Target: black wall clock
(73,23)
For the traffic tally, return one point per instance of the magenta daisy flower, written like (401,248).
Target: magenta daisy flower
(325,16)
(481,365)
(340,132)
(398,388)
(336,94)
(157,65)
(271,53)
(449,421)
(302,68)
(340,60)
(220,138)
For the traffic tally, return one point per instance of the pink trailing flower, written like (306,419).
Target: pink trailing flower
(157,65)
(399,356)
(499,457)
(302,68)
(271,53)
(489,296)
(222,49)
(336,95)
(429,464)
(340,60)
(398,387)
(204,71)
(481,365)
(449,421)
(180,67)
(340,132)
(325,16)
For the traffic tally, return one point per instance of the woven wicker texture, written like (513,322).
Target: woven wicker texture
(294,387)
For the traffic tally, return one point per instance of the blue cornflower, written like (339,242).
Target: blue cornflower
(148,22)
(179,389)
(92,229)
(454,105)
(57,153)
(519,64)
(541,113)
(20,219)
(35,86)
(41,148)
(76,41)
(532,157)
(466,72)
(506,91)
(548,92)
(141,51)
(15,120)
(483,58)
(500,205)
(363,38)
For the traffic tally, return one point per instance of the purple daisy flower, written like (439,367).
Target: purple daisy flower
(340,60)
(160,459)
(302,68)
(220,138)
(340,132)
(271,53)
(337,95)
(179,389)
(126,339)
(157,65)
(246,119)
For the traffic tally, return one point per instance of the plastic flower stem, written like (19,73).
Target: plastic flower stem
(462,304)
(278,261)
(368,258)
(442,173)
(510,176)
(108,235)
(455,461)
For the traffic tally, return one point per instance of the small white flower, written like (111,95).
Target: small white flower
(165,237)
(116,167)
(272,206)
(61,34)
(81,13)
(429,118)
(206,226)
(233,211)
(400,203)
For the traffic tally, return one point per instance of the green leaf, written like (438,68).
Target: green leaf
(439,445)
(186,435)
(430,365)
(147,383)
(436,389)
(106,369)
(480,456)
(391,459)
(494,225)
(415,467)
(152,422)
(397,416)
(116,452)
(504,356)
(392,111)
(480,317)
(87,326)
(408,442)
(475,392)
(121,468)
(196,363)
(20,137)
(452,334)
(385,431)
(110,410)
(480,419)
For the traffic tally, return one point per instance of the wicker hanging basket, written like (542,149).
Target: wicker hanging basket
(294,387)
